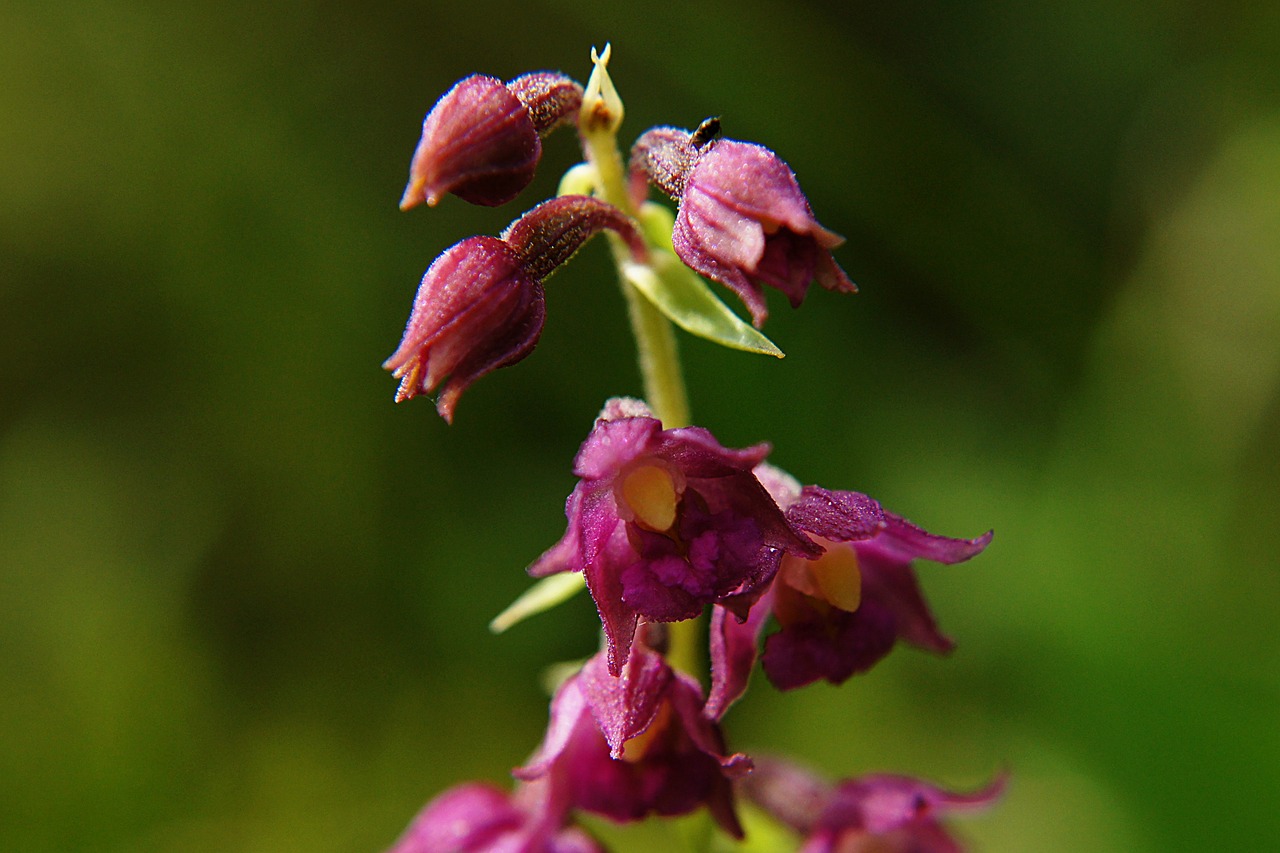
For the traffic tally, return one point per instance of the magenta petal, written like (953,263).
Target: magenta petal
(517,342)
(733,237)
(832,649)
(894,587)
(886,802)
(792,794)
(612,444)
(686,696)
(567,708)
(788,263)
(781,486)
(905,541)
(756,182)
(733,654)
(668,771)
(468,818)
(565,555)
(625,706)
(689,246)
(618,618)
(698,454)
(895,814)
(838,516)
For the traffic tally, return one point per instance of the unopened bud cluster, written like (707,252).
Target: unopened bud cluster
(665,524)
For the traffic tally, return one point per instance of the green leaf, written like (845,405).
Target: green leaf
(686,300)
(543,595)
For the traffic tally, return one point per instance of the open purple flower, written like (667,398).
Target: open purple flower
(665,522)
(481,307)
(636,744)
(482,140)
(842,612)
(742,220)
(881,813)
(479,818)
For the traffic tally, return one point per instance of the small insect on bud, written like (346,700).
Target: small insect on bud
(743,220)
(706,132)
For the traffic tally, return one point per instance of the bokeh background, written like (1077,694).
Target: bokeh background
(243,596)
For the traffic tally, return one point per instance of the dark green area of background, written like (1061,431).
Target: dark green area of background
(243,596)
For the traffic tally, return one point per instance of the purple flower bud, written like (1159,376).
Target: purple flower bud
(840,613)
(480,306)
(636,744)
(742,220)
(893,814)
(478,818)
(665,522)
(482,140)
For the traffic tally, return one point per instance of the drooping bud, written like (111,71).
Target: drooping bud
(480,306)
(482,140)
(743,220)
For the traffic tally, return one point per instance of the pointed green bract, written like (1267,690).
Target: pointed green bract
(543,595)
(686,300)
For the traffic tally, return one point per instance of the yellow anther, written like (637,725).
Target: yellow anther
(635,749)
(650,494)
(837,575)
(834,577)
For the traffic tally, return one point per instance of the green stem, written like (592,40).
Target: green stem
(660,371)
(659,360)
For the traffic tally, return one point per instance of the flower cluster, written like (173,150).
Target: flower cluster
(665,524)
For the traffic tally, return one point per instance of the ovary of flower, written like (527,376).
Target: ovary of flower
(834,578)
(651,493)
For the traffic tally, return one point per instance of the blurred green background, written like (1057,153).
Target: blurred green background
(243,596)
